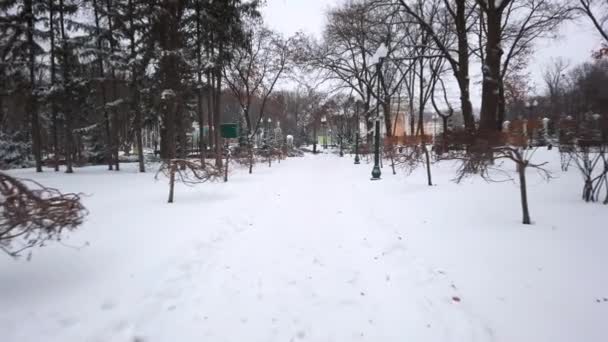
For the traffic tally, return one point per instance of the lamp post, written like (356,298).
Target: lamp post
(378,58)
(324,124)
(357,133)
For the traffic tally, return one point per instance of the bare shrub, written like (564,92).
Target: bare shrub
(32,215)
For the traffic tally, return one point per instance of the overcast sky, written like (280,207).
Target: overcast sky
(577,41)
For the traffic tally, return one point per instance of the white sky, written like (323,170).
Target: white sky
(577,40)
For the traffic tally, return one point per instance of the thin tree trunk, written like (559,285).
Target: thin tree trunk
(421,106)
(491,71)
(173,169)
(115,136)
(55,125)
(210,110)
(524,193)
(135,92)
(199,90)
(104,99)
(217,114)
(69,135)
(33,101)
(463,65)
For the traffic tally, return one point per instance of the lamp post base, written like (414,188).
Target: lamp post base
(376,173)
(357,160)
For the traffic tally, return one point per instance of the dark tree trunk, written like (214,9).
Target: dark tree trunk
(69,134)
(199,86)
(217,114)
(491,70)
(135,105)
(421,105)
(462,76)
(521,169)
(104,98)
(500,116)
(33,101)
(210,110)
(115,136)
(181,133)
(55,124)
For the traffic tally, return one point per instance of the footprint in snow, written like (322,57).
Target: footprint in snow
(108,305)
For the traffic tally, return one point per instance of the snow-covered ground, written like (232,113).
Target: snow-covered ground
(312,250)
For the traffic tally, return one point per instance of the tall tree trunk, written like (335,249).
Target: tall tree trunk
(217,114)
(210,110)
(67,111)
(115,136)
(386,108)
(135,91)
(421,105)
(199,87)
(521,169)
(463,65)
(55,124)
(502,104)
(104,98)
(181,132)
(491,70)
(33,100)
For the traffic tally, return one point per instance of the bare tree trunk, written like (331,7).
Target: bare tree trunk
(104,99)
(181,133)
(386,108)
(501,110)
(55,125)
(199,90)
(173,169)
(521,169)
(115,136)
(210,110)
(314,135)
(33,101)
(69,137)
(217,116)
(491,70)
(421,105)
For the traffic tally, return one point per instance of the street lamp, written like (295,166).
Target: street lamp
(324,124)
(378,59)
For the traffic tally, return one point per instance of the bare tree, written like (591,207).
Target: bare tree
(512,146)
(188,172)
(554,77)
(523,22)
(597,12)
(32,215)
(457,23)
(253,74)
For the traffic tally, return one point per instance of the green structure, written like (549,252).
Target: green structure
(229,130)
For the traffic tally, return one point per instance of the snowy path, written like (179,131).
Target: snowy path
(309,250)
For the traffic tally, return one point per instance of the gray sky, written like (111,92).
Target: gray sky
(577,40)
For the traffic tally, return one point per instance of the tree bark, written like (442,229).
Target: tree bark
(69,135)
(104,99)
(462,74)
(55,124)
(115,136)
(217,114)
(491,70)
(521,169)
(33,101)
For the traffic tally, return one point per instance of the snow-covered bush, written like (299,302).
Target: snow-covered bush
(14,153)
